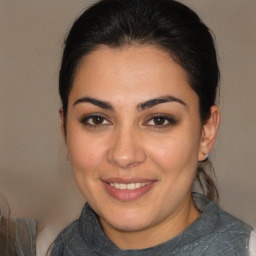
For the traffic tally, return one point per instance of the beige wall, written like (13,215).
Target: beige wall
(34,174)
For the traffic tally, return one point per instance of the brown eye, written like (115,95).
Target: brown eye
(94,121)
(159,120)
(97,120)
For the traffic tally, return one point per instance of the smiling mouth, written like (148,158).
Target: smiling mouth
(129,186)
(128,190)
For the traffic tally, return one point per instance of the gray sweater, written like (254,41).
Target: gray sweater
(215,232)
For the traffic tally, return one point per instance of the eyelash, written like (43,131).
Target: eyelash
(170,121)
(85,121)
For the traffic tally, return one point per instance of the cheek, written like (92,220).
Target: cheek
(86,162)
(176,153)
(86,153)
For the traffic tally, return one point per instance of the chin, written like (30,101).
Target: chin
(132,220)
(129,225)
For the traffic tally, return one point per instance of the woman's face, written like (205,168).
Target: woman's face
(133,135)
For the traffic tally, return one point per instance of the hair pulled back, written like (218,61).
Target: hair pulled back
(166,24)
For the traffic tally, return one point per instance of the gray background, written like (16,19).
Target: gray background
(34,173)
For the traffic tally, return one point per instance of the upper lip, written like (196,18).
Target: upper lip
(127,181)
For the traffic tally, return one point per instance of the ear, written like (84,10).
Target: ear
(209,133)
(62,123)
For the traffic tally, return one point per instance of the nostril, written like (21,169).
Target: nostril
(127,161)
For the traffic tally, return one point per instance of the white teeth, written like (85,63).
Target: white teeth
(122,186)
(138,185)
(130,186)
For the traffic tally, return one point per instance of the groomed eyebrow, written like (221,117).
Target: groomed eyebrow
(153,102)
(99,103)
(142,106)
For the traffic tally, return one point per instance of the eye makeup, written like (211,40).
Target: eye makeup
(160,121)
(95,120)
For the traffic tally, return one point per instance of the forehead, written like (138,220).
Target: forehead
(140,72)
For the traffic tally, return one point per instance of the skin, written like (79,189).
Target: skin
(137,139)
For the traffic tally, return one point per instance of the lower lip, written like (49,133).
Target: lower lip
(128,195)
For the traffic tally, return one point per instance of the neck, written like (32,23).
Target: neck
(161,232)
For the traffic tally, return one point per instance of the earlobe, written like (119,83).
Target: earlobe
(209,133)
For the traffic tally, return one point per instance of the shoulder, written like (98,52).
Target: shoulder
(230,235)
(217,220)
(220,232)
(68,238)
(229,223)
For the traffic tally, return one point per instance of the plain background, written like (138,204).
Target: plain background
(34,173)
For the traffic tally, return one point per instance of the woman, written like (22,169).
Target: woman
(138,84)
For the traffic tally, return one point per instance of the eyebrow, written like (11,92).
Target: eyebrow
(142,106)
(99,103)
(153,102)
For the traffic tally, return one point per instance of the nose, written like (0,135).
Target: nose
(126,150)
